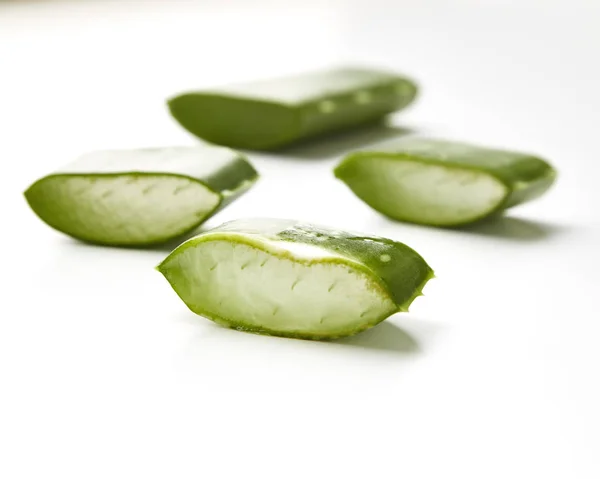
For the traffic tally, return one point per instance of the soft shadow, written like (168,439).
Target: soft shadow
(383,337)
(500,227)
(515,229)
(337,144)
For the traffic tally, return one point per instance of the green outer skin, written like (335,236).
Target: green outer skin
(219,169)
(525,176)
(270,114)
(402,278)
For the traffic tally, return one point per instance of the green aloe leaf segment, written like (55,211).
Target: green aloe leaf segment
(285,278)
(442,183)
(140,197)
(273,113)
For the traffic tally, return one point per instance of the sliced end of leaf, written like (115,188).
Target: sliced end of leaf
(248,287)
(422,192)
(251,275)
(122,209)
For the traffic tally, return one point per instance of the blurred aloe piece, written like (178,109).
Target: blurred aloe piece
(274,113)
(443,183)
(140,197)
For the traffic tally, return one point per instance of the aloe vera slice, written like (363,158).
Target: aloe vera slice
(442,183)
(140,197)
(273,113)
(284,278)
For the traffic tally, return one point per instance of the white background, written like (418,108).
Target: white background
(104,373)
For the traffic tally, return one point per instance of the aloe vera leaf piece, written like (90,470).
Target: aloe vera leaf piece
(284,278)
(272,113)
(442,183)
(140,197)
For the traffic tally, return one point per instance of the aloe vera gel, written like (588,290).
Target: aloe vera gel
(442,183)
(140,197)
(284,278)
(274,113)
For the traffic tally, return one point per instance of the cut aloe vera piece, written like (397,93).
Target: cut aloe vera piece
(284,278)
(273,113)
(140,197)
(442,183)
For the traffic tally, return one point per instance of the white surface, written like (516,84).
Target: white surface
(493,374)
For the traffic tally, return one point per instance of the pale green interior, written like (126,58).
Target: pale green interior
(425,193)
(241,285)
(126,209)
